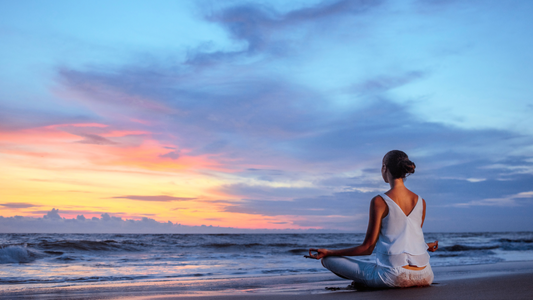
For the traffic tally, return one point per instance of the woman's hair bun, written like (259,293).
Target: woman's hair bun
(398,163)
(407,166)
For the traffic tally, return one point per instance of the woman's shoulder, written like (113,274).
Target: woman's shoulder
(378,201)
(378,198)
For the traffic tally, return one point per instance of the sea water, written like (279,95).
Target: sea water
(81,258)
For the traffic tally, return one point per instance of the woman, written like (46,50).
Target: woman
(394,230)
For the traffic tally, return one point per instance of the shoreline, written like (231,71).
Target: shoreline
(299,286)
(507,286)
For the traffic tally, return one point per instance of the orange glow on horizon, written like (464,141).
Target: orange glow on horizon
(57,166)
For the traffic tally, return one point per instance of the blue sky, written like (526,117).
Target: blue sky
(273,113)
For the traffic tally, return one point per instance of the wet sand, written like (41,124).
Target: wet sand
(485,288)
(509,280)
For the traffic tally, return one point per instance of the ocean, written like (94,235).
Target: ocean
(52,259)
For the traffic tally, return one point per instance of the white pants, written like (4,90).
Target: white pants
(374,276)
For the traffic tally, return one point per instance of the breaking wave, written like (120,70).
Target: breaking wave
(16,254)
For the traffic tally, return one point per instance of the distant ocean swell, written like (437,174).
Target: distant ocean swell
(53,258)
(28,252)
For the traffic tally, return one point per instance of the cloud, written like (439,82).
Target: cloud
(161,198)
(18,205)
(268,192)
(276,133)
(262,28)
(13,119)
(112,224)
(291,143)
(448,198)
(72,182)
(94,139)
(352,223)
(248,118)
(243,113)
(437,184)
(340,211)
(512,200)
(384,83)
(441,184)
(53,214)
(172,155)
(284,138)
(345,203)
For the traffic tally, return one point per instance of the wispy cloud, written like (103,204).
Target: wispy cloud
(263,29)
(263,191)
(160,198)
(384,83)
(346,204)
(95,139)
(18,205)
(508,201)
(172,155)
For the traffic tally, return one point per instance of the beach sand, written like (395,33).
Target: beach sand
(507,280)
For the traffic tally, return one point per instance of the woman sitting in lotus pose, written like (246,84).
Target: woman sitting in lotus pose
(394,230)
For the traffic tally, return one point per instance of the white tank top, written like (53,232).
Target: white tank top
(401,240)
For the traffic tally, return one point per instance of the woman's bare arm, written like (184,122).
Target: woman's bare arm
(431,246)
(378,209)
(423,212)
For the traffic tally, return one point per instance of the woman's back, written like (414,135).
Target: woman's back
(401,240)
(404,198)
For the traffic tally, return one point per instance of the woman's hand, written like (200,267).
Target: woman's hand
(433,246)
(320,253)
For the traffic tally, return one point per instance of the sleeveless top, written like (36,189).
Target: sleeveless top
(401,240)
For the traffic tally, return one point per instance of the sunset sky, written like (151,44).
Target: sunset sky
(266,114)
